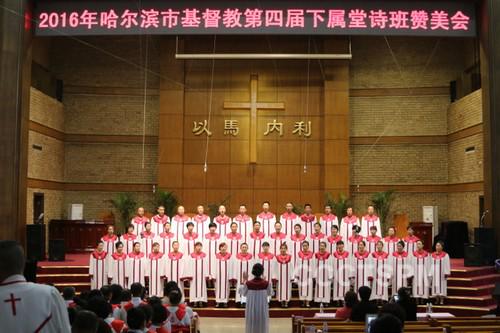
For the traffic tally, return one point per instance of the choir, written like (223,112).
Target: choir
(324,259)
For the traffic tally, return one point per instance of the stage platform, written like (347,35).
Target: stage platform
(469,289)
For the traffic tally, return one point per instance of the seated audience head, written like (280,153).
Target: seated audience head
(85,322)
(154,300)
(116,293)
(386,323)
(257,270)
(71,315)
(159,314)
(136,289)
(174,297)
(350,299)
(126,296)
(11,259)
(169,286)
(404,294)
(95,293)
(99,306)
(68,293)
(394,309)
(106,292)
(136,319)
(148,311)
(364,293)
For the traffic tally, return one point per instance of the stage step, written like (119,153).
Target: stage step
(483,290)
(473,281)
(472,271)
(61,278)
(62,270)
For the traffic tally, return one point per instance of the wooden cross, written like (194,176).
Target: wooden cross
(13,301)
(253,106)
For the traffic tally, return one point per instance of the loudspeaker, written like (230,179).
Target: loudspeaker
(35,242)
(486,237)
(57,251)
(473,255)
(30,270)
(455,235)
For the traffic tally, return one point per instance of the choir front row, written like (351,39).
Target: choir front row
(322,270)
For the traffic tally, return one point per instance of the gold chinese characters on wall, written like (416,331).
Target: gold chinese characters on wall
(231,127)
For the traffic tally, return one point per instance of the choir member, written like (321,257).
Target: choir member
(308,219)
(296,240)
(266,259)
(223,221)
(289,219)
(421,264)
(372,239)
(277,238)
(118,266)
(391,241)
(98,267)
(196,271)
(136,266)
(155,271)
(368,221)
(165,238)
(255,239)
(139,220)
(410,240)
(348,222)
(147,239)
(159,220)
(110,240)
(401,268)
(342,272)
(174,266)
(328,220)
(242,265)
(381,273)
(303,272)
(323,274)
(189,238)
(201,221)
(211,242)
(333,238)
(223,274)
(244,222)
(179,222)
(266,218)
(362,267)
(233,239)
(355,238)
(129,239)
(283,275)
(439,271)
(316,237)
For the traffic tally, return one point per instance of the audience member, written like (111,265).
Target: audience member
(386,323)
(394,309)
(85,322)
(365,306)
(158,322)
(408,304)
(350,299)
(136,320)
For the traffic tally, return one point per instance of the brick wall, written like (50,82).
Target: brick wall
(466,112)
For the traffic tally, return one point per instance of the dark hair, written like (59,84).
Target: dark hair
(169,286)
(85,321)
(340,242)
(233,223)
(130,226)
(99,242)
(401,243)
(266,202)
(145,224)
(94,293)
(189,224)
(211,224)
(265,244)
(364,293)
(136,289)
(126,295)
(71,315)
(394,309)
(298,225)
(106,292)
(153,300)
(307,205)
(103,327)
(159,314)
(257,270)
(136,319)
(116,293)
(118,244)
(386,323)
(356,228)
(350,299)
(174,297)
(334,226)
(99,306)
(148,311)
(306,242)
(68,293)
(373,227)
(277,222)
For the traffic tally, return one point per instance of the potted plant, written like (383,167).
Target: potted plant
(167,199)
(213,208)
(125,205)
(382,202)
(339,207)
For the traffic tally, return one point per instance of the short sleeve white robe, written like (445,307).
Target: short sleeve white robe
(346,226)
(245,225)
(421,265)
(402,270)
(136,268)
(327,221)
(308,222)
(128,241)
(110,244)
(178,225)
(267,260)
(411,244)
(138,223)
(267,221)
(371,243)
(257,292)
(362,269)
(283,275)
(157,223)
(275,240)
(352,243)
(147,240)
(233,242)
(369,221)
(223,274)
(211,247)
(323,274)
(156,272)
(187,242)
(381,274)
(117,270)
(342,272)
(174,268)
(295,245)
(165,240)
(332,243)
(288,222)
(390,244)
(242,263)
(303,274)
(98,269)
(201,223)
(223,224)
(255,243)
(196,270)
(439,271)
(315,240)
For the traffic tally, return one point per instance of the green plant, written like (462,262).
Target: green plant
(167,199)
(382,202)
(339,206)
(213,208)
(125,205)
(298,209)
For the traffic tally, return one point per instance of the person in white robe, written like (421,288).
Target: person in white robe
(304,274)
(136,266)
(323,275)
(277,238)
(117,271)
(255,239)
(289,219)
(257,291)
(348,222)
(165,238)
(370,220)
(381,274)
(283,275)
(266,259)
(174,266)
(328,220)
(391,241)
(147,239)
(211,241)
(223,274)
(362,267)
(27,306)
(242,264)
(201,221)
(439,271)
(296,240)
(155,271)
(421,265)
(98,267)
(223,221)
(308,220)
(402,269)
(110,240)
(410,240)
(316,237)
(353,241)
(189,238)
(333,238)
(233,239)
(266,218)
(245,223)
(128,239)
(139,220)
(179,222)
(196,271)
(342,272)
(372,239)
(159,220)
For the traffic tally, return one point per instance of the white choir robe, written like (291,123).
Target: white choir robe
(283,275)
(147,240)
(288,222)
(267,221)
(245,225)
(174,268)
(98,269)
(390,244)
(223,224)
(241,264)
(109,244)
(362,269)
(332,243)
(117,270)
(255,243)
(267,260)
(165,240)
(411,244)
(196,269)
(346,226)
(128,241)
(138,223)
(323,275)
(303,274)
(158,223)
(401,270)
(258,292)
(342,272)
(223,274)
(187,242)
(136,268)
(421,265)
(367,222)
(233,242)
(326,222)
(201,223)
(439,270)
(31,307)
(308,222)
(155,271)
(211,247)
(380,274)
(275,240)
(352,243)
(295,245)
(178,225)
(315,240)
(371,243)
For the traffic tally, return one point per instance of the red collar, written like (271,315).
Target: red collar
(223,257)
(106,238)
(436,255)
(191,236)
(265,256)
(210,236)
(128,236)
(146,234)
(357,238)
(350,219)
(175,256)
(232,236)
(339,255)
(328,217)
(403,254)
(392,239)
(317,236)
(180,218)
(298,238)
(140,219)
(260,235)
(167,235)
(153,255)
(242,218)
(370,218)
(420,254)
(305,255)
(118,256)
(373,239)
(289,216)
(99,255)
(136,255)
(198,255)
(222,219)
(244,257)
(275,235)
(411,239)
(323,256)
(381,255)
(362,256)
(266,216)
(335,239)
(283,259)
(308,218)
(160,219)
(257,284)
(200,218)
